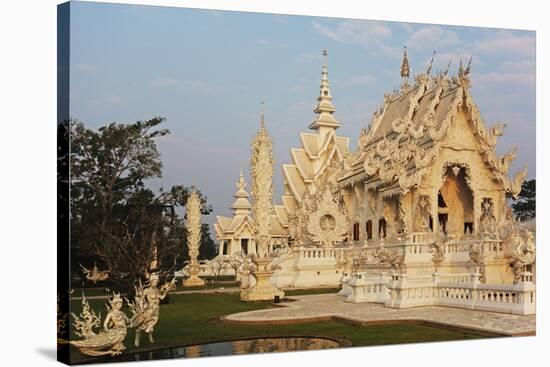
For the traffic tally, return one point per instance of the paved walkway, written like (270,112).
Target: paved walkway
(326,306)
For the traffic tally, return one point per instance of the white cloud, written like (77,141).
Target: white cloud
(262,42)
(506,42)
(432,37)
(496,79)
(522,66)
(370,34)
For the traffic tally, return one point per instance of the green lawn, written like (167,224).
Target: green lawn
(189,319)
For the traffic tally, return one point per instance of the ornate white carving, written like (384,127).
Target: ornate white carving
(261,166)
(110,340)
(328,223)
(193,227)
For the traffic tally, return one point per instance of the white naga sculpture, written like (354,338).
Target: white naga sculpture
(146,306)
(110,340)
(193,226)
(261,167)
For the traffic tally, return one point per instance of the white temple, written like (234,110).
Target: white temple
(416,215)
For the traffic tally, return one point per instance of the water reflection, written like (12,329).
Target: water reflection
(263,345)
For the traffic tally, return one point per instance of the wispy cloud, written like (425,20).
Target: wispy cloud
(506,42)
(370,34)
(432,37)
(262,42)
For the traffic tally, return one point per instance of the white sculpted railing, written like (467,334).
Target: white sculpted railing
(451,290)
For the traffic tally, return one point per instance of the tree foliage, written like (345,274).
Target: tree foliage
(116,220)
(525,206)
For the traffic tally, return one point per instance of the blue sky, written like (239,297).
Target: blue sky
(206,72)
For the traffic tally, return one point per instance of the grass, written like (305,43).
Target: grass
(189,319)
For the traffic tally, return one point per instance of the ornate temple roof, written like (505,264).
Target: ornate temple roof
(404,136)
(318,149)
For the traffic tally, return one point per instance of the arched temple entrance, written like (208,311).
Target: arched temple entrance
(455,203)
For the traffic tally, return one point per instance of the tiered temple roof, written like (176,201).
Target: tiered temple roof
(317,152)
(402,139)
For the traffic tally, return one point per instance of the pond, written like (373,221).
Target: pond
(261,345)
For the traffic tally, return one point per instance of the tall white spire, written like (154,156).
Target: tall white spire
(324,108)
(241,206)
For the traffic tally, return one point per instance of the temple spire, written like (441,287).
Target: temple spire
(324,108)
(405,67)
(262,117)
(241,206)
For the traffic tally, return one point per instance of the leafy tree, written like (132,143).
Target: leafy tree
(115,220)
(525,206)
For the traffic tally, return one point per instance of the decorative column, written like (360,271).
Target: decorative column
(261,169)
(193,226)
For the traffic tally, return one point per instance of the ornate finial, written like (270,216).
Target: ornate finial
(324,108)
(262,118)
(467,71)
(430,65)
(242,183)
(405,68)
(448,67)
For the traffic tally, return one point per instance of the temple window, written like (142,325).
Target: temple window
(382,228)
(468,227)
(224,247)
(369,229)
(244,245)
(356,231)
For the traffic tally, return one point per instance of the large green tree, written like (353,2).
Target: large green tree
(525,206)
(116,220)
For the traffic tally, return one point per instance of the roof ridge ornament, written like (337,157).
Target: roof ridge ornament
(430,64)
(262,116)
(405,70)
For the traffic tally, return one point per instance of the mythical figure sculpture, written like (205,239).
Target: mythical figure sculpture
(437,250)
(422,214)
(478,257)
(95,275)
(193,226)
(110,340)
(503,163)
(394,257)
(146,306)
(487,220)
(517,181)
(519,244)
